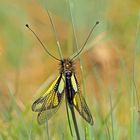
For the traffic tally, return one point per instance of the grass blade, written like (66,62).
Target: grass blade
(111,112)
(75,122)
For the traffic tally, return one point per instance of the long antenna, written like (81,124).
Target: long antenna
(46,50)
(75,55)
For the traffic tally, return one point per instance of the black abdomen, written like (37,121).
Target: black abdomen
(69,90)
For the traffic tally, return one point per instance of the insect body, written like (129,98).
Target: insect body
(67,84)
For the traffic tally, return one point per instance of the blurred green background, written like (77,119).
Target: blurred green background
(110,66)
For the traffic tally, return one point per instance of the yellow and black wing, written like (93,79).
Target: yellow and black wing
(49,103)
(79,102)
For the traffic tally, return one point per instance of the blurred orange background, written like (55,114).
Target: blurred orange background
(107,60)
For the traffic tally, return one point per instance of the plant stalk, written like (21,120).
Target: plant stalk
(75,122)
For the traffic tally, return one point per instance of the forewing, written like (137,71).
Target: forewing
(79,101)
(49,103)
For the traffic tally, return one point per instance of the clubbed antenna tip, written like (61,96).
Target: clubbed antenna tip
(27,25)
(97,22)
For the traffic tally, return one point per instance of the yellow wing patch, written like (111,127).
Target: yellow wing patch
(52,100)
(48,90)
(51,97)
(74,83)
(61,85)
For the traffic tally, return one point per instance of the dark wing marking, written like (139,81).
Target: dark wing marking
(79,101)
(49,103)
